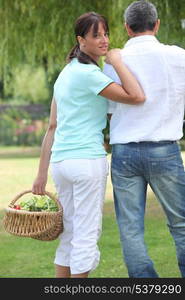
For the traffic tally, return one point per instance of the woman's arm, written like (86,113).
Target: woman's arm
(41,179)
(130,92)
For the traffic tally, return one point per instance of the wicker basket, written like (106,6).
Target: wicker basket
(45,226)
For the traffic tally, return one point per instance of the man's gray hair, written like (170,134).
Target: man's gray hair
(141,16)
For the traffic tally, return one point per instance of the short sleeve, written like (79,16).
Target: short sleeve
(97,80)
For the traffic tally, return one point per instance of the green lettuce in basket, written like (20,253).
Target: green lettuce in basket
(39,203)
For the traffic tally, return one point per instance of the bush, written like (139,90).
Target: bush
(30,83)
(17,128)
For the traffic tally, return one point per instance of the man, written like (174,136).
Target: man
(144,139)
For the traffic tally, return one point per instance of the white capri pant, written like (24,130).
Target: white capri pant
(80,184)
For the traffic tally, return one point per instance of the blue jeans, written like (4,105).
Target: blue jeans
(133,167)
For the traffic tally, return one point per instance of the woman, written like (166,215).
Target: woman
(73,143)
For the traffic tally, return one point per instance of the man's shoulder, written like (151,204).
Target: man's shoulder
(111,72)
(152,48)
(175,49)
(108,69)
(174,54)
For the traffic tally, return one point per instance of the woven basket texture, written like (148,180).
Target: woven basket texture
(42,225)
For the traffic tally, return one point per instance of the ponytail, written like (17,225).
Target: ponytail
(73,53)
(81,56)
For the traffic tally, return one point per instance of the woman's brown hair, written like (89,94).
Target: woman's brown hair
(82,26)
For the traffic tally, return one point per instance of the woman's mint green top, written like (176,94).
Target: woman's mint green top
(81,112)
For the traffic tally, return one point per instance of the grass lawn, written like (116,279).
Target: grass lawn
(29,258)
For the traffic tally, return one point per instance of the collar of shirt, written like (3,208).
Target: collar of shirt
(141,39)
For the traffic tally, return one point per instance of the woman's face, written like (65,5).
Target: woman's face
(95,45)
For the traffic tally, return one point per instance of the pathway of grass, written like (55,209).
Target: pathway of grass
(24,257)
(29,258)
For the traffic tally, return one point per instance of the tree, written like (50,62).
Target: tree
(40,32)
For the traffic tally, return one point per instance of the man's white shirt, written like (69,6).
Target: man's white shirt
(160,69)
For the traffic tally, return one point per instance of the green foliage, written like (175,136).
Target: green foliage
(40,32)
(17,128)
(16,114)
(39,203)
(170,14)
(36,35)
(30,83)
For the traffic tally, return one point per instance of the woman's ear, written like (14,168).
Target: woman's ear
(81,41)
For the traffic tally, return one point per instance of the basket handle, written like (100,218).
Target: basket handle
(30,191)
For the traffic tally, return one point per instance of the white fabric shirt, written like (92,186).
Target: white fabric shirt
(160,69)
